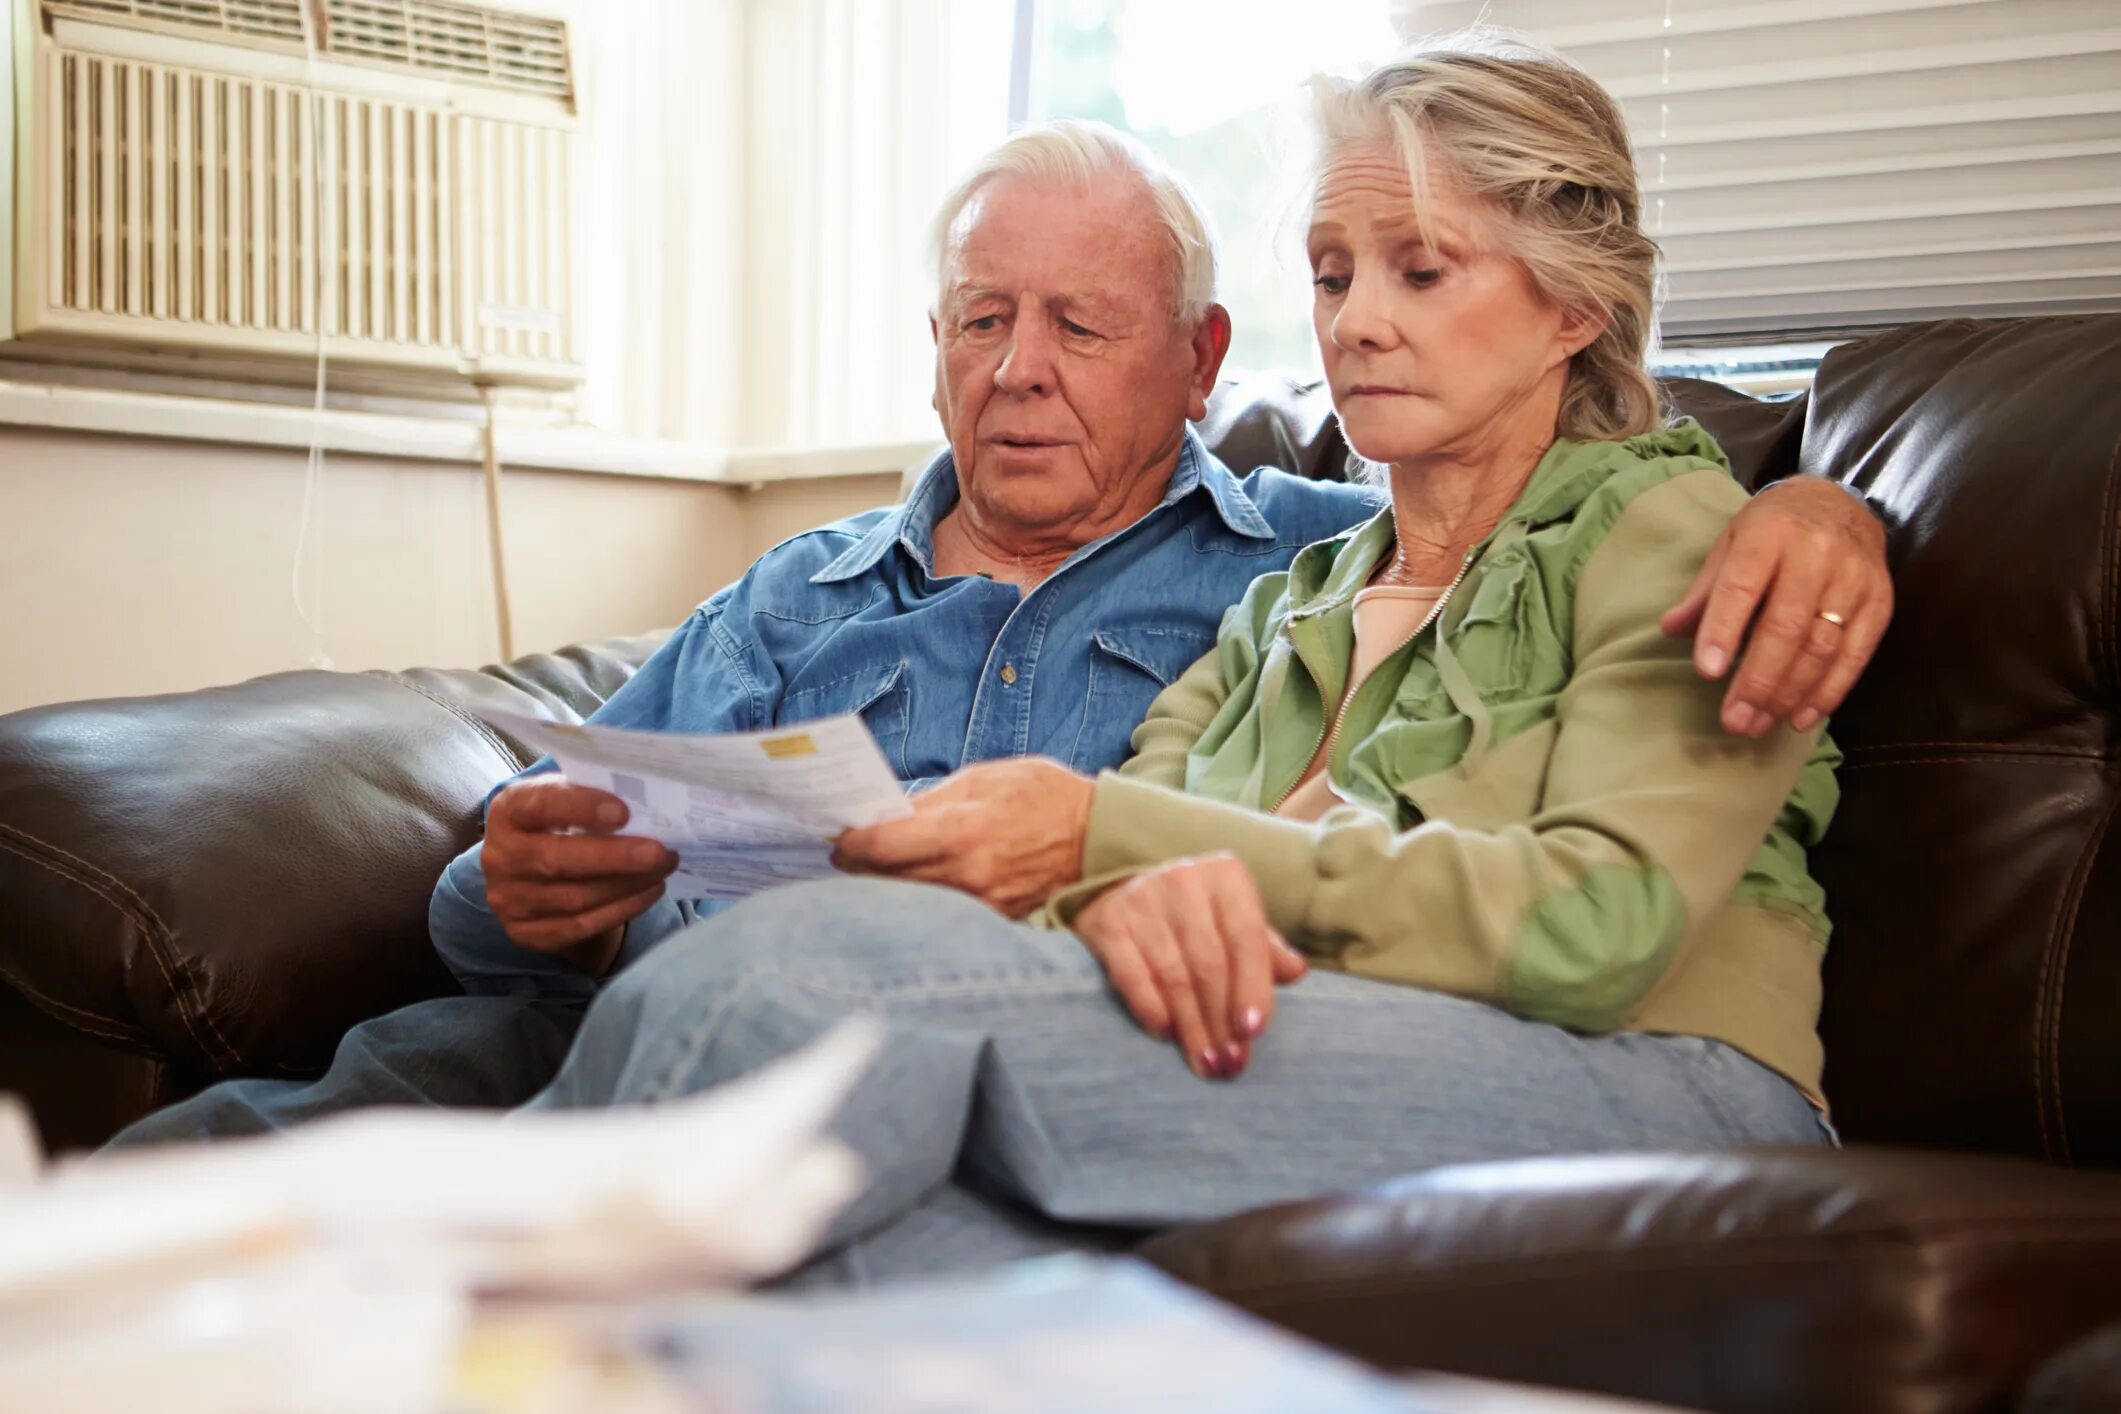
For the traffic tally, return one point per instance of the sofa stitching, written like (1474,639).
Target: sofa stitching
(153,931)
(2054,972)
(2108,533)
(100,893)
(1981,748)
(493,738)
(162,945)
(2015,758)
(108,1028)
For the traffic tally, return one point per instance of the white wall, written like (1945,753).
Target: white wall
(130,566)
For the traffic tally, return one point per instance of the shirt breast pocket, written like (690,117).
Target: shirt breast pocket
(1128,668)
(882,696)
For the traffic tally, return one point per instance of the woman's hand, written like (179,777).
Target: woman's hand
(1007,832)
(1188,947)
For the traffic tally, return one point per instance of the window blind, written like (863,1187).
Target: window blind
(1814,168)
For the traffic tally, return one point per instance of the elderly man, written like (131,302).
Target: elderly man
(1065,559)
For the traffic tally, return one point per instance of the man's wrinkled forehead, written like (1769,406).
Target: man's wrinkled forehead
(1095,252)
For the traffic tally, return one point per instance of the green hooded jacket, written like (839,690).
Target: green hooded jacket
(1542,810)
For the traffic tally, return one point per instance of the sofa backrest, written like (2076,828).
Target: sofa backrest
(1973,985)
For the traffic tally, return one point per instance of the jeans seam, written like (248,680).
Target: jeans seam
(1728,1058)
(852,990)
(694,1042)
(988,1068)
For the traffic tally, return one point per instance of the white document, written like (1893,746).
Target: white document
(743,811)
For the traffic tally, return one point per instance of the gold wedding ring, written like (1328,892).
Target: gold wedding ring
(1833,618)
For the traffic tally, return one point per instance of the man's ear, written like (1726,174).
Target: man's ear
(1211,343)
(935,333)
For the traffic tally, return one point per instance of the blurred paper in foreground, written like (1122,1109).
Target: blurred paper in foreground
(330,1269)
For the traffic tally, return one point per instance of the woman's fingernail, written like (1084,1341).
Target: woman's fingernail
(1233,1058)
(1254,1022)
(1208,1064)
(1741,719)
(1164,1032)
(1805,720)
(1714,661)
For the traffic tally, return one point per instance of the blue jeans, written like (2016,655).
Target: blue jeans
(465,1052)
(1016,1109)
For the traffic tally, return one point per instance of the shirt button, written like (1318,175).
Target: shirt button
(1008,675)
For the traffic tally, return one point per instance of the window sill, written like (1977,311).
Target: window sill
(117,412)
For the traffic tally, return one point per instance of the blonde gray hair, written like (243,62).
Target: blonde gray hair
(1077,152)
(1544,150)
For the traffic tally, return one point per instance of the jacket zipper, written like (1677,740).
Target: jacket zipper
(1329,739)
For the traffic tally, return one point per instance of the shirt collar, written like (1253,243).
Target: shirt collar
(1197,467)
(912,525)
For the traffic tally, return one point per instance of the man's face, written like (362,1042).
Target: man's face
(1063,380)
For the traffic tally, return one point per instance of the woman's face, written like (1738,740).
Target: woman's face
(1433,351)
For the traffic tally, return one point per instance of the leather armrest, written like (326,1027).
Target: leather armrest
(229,879)
(1868,1281)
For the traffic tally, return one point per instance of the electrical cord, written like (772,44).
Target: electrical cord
(313,472)
(502,613)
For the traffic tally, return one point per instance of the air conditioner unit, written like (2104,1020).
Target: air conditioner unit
(226,183)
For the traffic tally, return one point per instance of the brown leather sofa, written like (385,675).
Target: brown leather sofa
(222,882)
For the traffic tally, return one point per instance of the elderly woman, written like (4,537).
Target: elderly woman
(1442,849)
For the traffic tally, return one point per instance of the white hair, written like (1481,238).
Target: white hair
(1077,152)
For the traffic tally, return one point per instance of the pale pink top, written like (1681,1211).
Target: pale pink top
(1386,616)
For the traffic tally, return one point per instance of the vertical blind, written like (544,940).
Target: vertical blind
(1820,167)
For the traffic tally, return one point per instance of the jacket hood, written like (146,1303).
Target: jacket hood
(1331,572)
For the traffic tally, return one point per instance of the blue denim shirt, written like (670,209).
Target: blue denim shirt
(946,671)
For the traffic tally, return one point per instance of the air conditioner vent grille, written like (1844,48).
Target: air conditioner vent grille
(526,53)
(274,24)
(199,210)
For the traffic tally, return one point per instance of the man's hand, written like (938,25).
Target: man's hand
(1188,947)
(1816,554)
(1007,832)
(560,877)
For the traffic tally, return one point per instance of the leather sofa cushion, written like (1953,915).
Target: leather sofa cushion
(1829,1281)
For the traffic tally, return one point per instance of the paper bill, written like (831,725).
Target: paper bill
(743,811)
